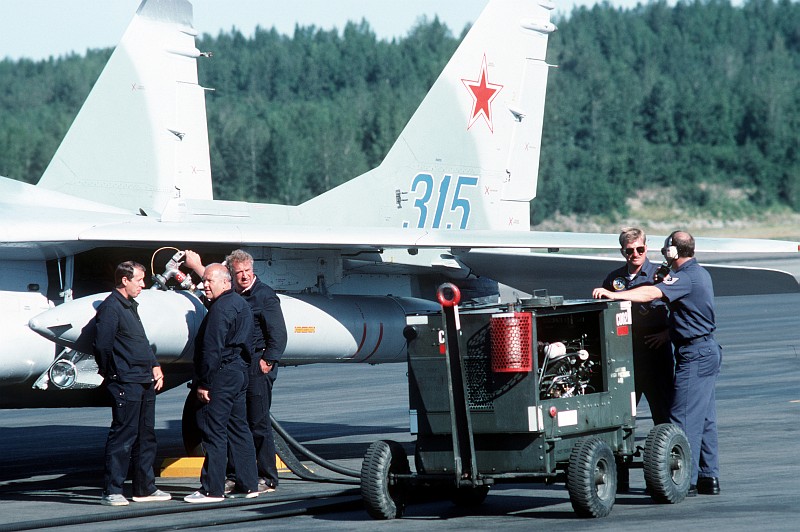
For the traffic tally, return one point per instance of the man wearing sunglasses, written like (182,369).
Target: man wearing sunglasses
(652,352)
(689,293)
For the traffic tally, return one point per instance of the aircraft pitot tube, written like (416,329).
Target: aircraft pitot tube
(320,329)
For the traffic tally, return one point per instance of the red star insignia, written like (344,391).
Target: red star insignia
(482,93)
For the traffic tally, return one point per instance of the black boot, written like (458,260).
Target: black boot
(708,486)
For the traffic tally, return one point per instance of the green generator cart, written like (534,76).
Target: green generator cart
(538,391)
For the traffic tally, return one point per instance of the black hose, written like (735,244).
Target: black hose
(326,502)
(288,457)
(293,444)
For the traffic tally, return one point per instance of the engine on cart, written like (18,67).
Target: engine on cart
(566,369)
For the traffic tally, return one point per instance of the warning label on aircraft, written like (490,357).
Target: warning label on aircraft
(302,329)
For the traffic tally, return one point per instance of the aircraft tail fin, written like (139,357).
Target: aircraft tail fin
(469,156)
(141,138)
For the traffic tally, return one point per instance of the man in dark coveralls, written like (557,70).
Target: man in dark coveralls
(652,352)
(269,342)
(689,293)
(133,376)
(221,362)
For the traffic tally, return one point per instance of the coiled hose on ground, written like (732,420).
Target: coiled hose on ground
(286,446)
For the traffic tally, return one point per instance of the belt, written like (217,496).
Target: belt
(696,340)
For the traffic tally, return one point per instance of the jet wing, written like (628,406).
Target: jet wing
(144,231)
(39,224)
(504,256)
(574,276)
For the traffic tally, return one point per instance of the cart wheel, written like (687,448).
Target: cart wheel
(592,478)
(468,497)
(382,500)
(667,463)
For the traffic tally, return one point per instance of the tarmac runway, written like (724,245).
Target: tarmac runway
(51,460)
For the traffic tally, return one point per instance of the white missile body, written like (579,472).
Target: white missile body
(319,328)
(24,355)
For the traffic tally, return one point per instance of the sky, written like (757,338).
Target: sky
(38,29)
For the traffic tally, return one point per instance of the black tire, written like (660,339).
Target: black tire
(469,497)
(592,478)
(667,464)
(190,431)
(383,500)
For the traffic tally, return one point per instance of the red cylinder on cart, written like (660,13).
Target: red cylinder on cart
(510,334)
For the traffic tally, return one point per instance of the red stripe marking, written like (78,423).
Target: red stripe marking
(377,344)
(363,339)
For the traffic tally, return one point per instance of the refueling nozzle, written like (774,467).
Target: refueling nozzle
(172,270)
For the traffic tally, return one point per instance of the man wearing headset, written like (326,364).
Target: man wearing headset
(689,294)
(652,352)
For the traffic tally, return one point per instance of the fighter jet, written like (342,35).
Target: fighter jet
(354,266)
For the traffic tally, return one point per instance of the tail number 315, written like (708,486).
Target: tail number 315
(433,203)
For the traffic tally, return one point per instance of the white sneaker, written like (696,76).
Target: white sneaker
(200,497)
(114,499)
(242,495)
(156,496)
